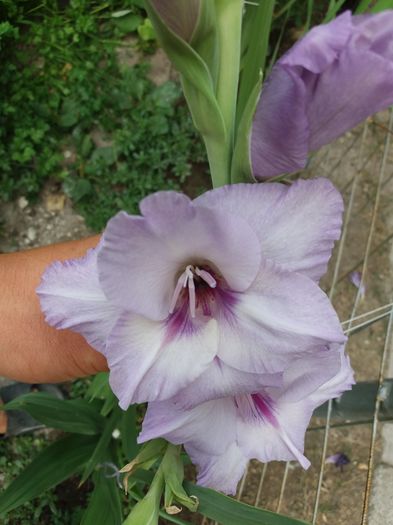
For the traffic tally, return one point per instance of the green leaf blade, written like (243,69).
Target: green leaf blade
(102,444)
(76,416)
(255,55)
(129,433)
(228,511)
(370,6)
(104,505)
(55,464)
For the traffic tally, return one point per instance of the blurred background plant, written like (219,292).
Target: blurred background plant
(73,113)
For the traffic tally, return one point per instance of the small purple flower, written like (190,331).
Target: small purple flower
(356,280)
(221,435)
(212,297)
(339,460)
(329,81)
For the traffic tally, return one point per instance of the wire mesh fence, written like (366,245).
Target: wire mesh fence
(359,283)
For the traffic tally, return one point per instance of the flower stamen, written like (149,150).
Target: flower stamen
(181,283)
(207,277)
(187,280)
(191,294)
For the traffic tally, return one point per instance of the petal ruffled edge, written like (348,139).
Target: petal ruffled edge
(296,225)
(71,298)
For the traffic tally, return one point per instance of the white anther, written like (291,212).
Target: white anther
(207,277)
(188,275)
(185,280)
(191,294)
(181,283)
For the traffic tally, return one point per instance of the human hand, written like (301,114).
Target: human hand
(30,350)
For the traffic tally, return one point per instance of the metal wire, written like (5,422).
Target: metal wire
(366,324)
(378,401)
(283,484)
(242,484)
(367,314)
(260,485)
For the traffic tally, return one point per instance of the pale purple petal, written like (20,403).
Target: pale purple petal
(307,374)
(332,79)
(339,460)
(321,46)
(71,297)
(296,225)
(280,130)
(281,442)
(332,459)
(282,316)
(356,280)
(334,387)
(220,472)
(148,362)
(220,380)
(208,432)
(208,428)
(142,257)
(336,106)
(378,30)
(285,440)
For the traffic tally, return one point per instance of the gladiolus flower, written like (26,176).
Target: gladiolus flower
(221,435)
(221,290)
(331,80)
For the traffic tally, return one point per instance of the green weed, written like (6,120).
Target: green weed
(71,113)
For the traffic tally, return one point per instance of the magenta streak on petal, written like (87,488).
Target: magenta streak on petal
(256,408)
(204,302)
(179,324)
(227,300)
(264,405)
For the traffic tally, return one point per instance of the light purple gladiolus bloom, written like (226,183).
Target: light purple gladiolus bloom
(221,435)
(220,292)
(328,82)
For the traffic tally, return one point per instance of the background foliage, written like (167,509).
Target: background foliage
(71,112)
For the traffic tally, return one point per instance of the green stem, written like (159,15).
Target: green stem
(310,8)
(146,511)
(229,24)
(218,155)
(162,513)
(229,21)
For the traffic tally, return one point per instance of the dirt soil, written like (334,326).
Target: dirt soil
(25,225)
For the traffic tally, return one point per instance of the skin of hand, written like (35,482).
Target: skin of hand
(31,351)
